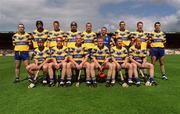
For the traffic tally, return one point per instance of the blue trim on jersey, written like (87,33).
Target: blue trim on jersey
(21,43)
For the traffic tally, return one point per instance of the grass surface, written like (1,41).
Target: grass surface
(162,99)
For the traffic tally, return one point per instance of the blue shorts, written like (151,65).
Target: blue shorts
(21,55)
(78,62)
(120,63)
(157,52)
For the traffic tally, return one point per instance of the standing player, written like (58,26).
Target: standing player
(107,38)
(123,33)
(21,43)
(41,60)
(141,34)
(89,37)
(57,32)
(59,58)
(100,57)
(78,60)
(138,57)
(157,41)
(71,35)
(119,55)
(39,33)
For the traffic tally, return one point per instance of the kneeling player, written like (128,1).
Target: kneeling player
(78,60)
(59,58)
(41,60)
(139,59)
(100,57)
(119,56)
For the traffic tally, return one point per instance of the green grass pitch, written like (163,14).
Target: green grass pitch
(162,99)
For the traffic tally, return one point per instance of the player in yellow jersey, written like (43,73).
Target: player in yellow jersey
(138,57)
(59,55)
(71,35)
(21,43)
(57,32)
(157,41)
(119,55)
(100,57)
(41,61)
(89,37)
(139,33)
(78,60)
(39,33)
(123,33)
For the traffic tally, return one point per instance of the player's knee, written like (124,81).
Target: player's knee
(117,67)
(45,67)
(88,66)
(113,66)
(64,65)
(68,65)
(50,66)
(92,65)
(130,66)
(134,66)
(110,66)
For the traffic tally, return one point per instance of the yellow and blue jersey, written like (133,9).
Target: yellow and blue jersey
(41,55)
(71,38)
(157,39)
(124,35)
(100,54)
(53,35)
(78,53)
(137,54)
(21,41)
(89,39)
(119,54)
(39,35)
(59,54)
(143,36)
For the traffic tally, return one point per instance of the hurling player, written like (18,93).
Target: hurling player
(21,43)
(157,41)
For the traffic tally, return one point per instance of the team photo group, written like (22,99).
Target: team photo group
(63,57)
